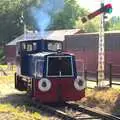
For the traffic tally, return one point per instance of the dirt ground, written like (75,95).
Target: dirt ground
(8,91)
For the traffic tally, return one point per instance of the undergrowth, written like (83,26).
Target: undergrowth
(19,113)
(107,100)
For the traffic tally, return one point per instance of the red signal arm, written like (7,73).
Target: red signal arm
(96,13)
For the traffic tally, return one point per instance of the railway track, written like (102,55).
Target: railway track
(89,111)
(71,111)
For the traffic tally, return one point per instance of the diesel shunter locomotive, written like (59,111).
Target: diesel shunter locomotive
(47,73)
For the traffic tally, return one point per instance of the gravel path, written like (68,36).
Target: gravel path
(7,89)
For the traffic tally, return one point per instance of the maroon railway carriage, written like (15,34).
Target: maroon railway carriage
(46,73)
(85,47)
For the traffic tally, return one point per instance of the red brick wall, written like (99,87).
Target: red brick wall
(10,53)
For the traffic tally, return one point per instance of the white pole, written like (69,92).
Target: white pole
(23,21)
(25,32)
(101,52)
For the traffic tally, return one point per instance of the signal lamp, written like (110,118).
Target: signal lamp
(107,8)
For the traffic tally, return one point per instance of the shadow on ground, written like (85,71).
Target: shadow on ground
(22,100)
(15,99)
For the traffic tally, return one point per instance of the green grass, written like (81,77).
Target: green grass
(107,100)
(8,111)
(19,113)
(10,74)
(6,67)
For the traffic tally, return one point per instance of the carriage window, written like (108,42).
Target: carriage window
(23,46)
(60,66)
(54,46)
(29,47)
(34,46)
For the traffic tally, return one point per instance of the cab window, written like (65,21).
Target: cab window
(29,46)
(54,46)
(23,46)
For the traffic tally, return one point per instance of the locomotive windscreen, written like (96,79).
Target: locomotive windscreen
(59,66)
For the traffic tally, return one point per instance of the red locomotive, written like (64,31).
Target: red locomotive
(47,73)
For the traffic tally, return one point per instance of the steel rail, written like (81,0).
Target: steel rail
(63,115)
(92,112)
(53,111)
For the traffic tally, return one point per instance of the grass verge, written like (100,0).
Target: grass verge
(8,112)
(107,100)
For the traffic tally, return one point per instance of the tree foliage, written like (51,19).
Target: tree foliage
(11,20)
(90,26)
(113,23)
(66,19)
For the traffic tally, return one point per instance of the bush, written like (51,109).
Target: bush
(2,57)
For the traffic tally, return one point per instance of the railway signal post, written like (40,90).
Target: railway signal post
(101,51)
(22,20)
(101,43)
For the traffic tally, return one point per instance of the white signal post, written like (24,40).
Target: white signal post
(25,28)
(101,43)
(101,51)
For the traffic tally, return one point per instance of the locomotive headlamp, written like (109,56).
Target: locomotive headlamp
(79,83)
(59,51)
(44,85)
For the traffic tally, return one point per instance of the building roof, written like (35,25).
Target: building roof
(48,35)
(97,33)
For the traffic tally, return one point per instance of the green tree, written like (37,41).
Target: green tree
(89,26)
(114,23)
(11,21)
(10,18)
(66,19)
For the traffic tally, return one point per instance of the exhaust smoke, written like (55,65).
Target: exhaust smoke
(43,14)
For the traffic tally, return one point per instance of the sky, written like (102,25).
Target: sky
(93,5)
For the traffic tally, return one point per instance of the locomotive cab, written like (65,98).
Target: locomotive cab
(25,48)
(35,46)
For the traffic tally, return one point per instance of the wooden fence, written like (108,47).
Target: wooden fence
(112,76)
